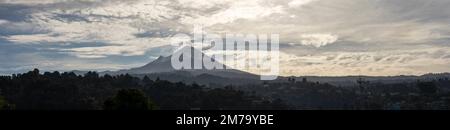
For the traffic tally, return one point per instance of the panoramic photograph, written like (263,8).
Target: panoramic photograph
(220,55)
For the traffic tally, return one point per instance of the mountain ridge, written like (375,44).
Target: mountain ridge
(163,65)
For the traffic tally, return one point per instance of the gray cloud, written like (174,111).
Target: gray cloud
(327,37)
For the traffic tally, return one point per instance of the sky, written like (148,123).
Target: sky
(317,37)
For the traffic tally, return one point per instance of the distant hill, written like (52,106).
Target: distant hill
(162,68)
(351,80)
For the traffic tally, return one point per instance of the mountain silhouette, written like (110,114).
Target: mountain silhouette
(162,68)
(164,65)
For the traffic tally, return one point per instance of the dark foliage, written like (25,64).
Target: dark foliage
(62,91)
(4,105)
(129,99)
(416,95)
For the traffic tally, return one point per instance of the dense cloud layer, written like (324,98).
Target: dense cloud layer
(318,37)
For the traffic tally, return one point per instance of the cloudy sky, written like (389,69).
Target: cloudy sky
(317,37)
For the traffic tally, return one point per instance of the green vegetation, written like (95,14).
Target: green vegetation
(4,105)
(129,99)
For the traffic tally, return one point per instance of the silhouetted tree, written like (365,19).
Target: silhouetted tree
(35,72)
(92,75)
(147,81)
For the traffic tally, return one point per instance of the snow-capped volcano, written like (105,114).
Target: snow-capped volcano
(164,65)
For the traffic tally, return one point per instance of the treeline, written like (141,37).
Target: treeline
(433,94)
(68,91)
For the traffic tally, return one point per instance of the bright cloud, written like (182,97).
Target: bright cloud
(3,21)
(297,3)
(317,40)
(243,9)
